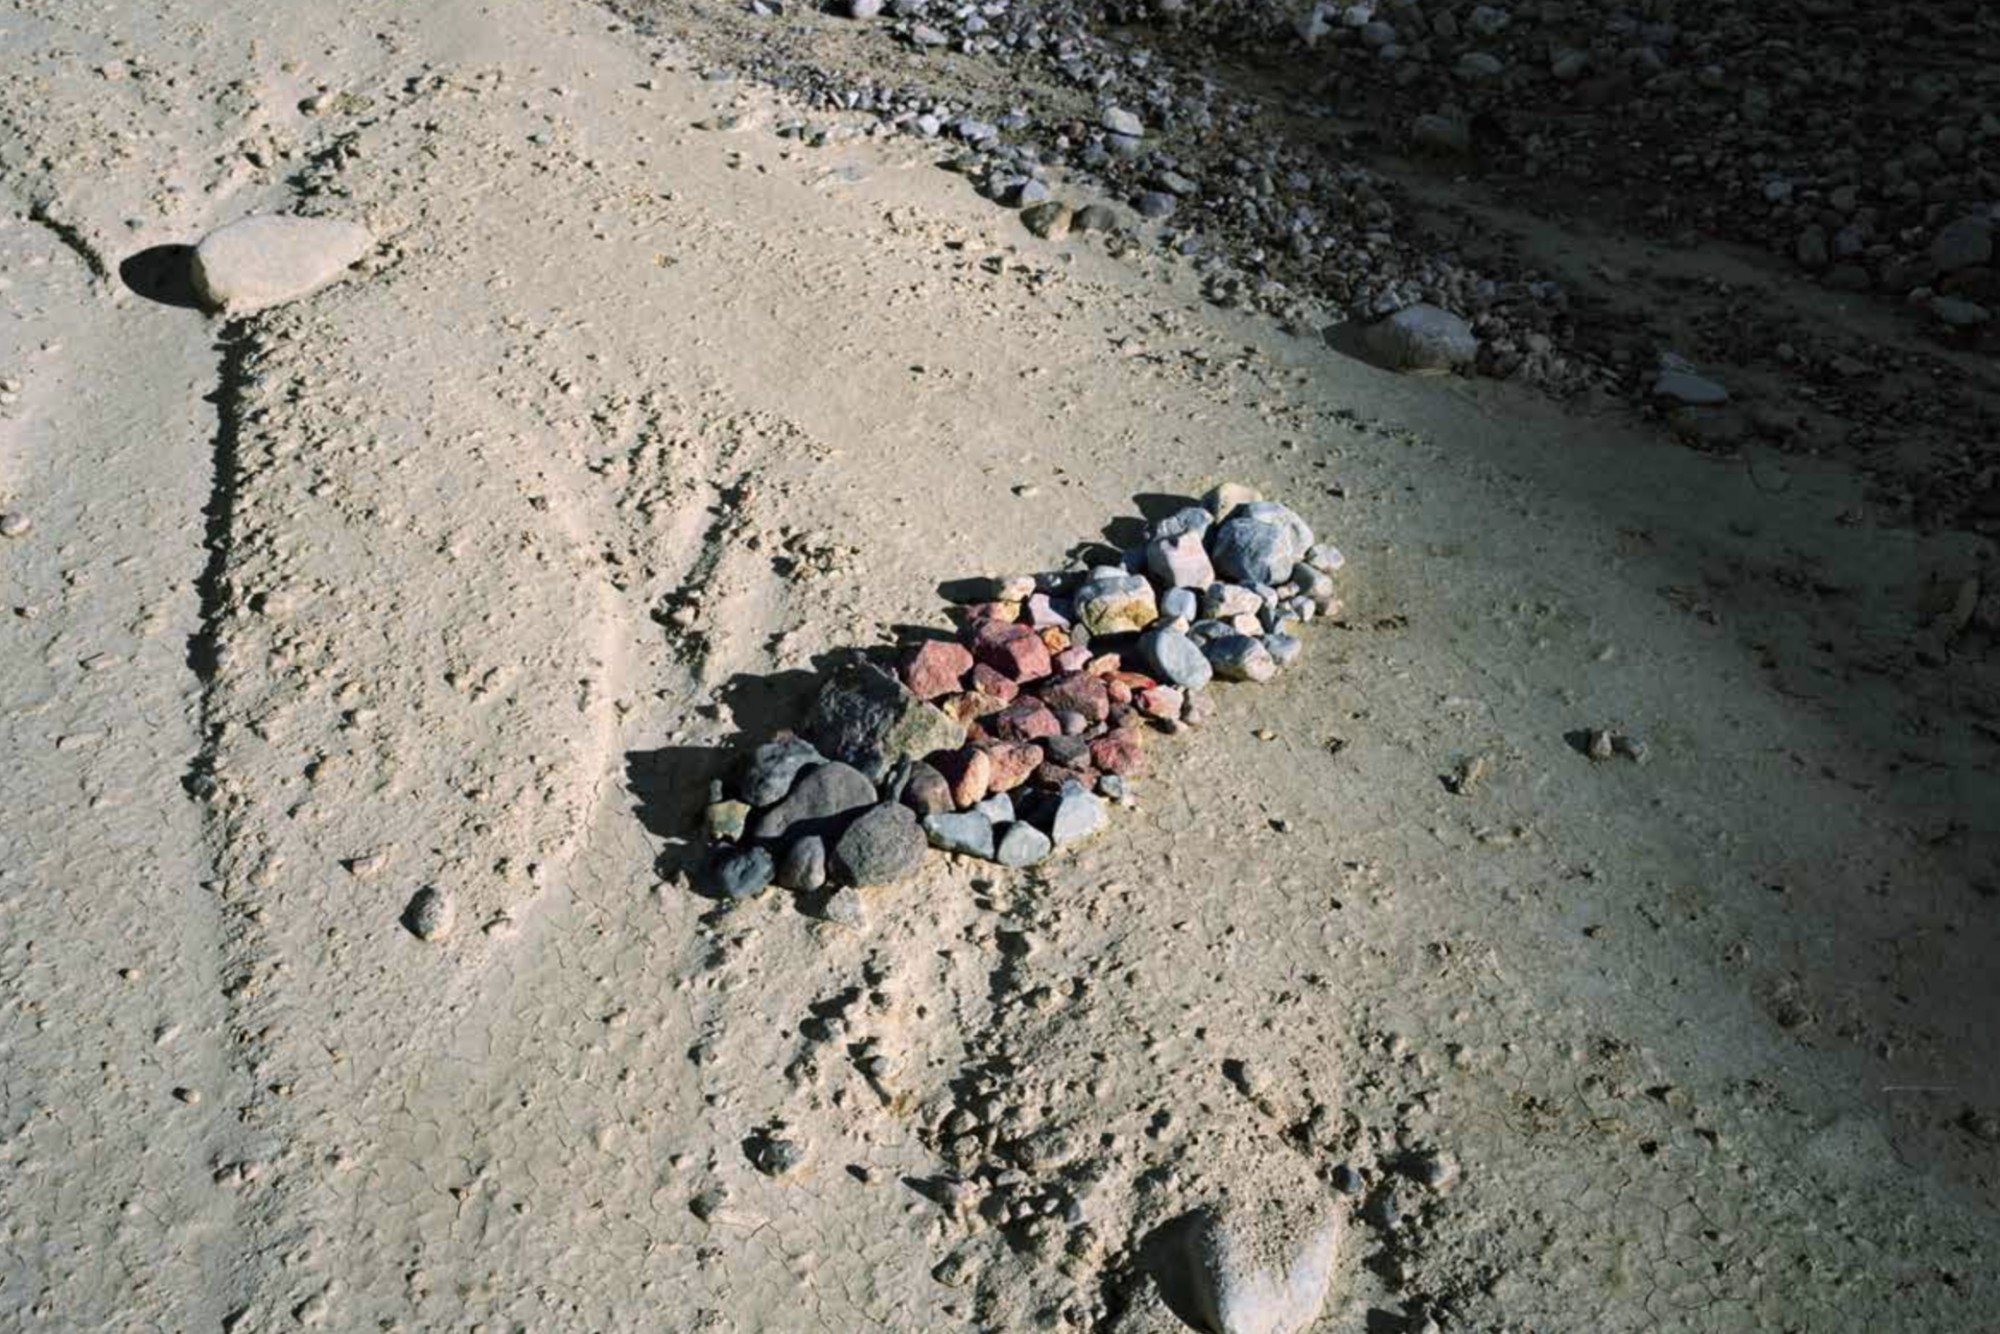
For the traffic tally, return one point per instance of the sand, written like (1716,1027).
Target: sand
(467,572)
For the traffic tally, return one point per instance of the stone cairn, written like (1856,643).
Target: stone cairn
(1007,743)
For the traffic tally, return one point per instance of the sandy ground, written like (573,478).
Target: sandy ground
(376,591)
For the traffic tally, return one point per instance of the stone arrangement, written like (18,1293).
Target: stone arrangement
(1013,740)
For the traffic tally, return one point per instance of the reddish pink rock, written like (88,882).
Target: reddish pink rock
(989,682)
(1118,753)
(1055,775)
(1012,763)
(969,773)
(1014,651)
(1072,660)
(1076,692)
(933,669)
(1161,702)
(1024,720)
(1117,690)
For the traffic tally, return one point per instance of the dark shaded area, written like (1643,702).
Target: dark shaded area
(162,273)
(1166,1255)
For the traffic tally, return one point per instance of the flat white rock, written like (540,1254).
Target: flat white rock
(269,259)
(1422,338)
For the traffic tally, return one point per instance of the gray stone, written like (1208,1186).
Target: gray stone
(1680,386)
(1078,815)
(264,261)
(803,867)
(1117,120)
(1959,313)
(1223,601)
(869,719)
(1154,204)
(881,847)
(1049,219)
(844,908)
(967,832)
(1191,519)
(1179,562)
(1116,603)
(773,767)
(1422,338)
(1962,244)
(1441,134)
(1094,218)
(1326,558)
(998,808)
(1179,604)
(1238,657)
(1284,648)
(1022,845)
(1260,543)
(864,9)
(430,914)
(1174,658)
(820,798)
(744,874)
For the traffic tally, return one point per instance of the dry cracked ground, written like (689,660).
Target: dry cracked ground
(471,570)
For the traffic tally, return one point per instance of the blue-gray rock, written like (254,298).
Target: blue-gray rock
(1421,338)
(773,767)
(1175,658)
(1681,386)
(1022,845)
(803,867)
(742,875)
(1154,204)
(1179,604)
(1220,602)
(1259,543)
(1078,815)
(817,801)
(998,808)
(1963,244)
(1283,648)
(1206,632)
(1325,558)
(1241,658)
(967,832)
(884,845)
(1191,519)
(1117,120)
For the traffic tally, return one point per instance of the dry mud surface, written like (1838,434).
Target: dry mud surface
(469,572)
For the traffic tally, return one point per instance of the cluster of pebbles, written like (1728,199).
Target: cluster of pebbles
(1014,739)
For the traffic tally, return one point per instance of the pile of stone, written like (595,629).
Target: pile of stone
(1013,739)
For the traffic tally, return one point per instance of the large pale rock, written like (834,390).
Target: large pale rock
(267,260)
(1422,338)
(1259,1270)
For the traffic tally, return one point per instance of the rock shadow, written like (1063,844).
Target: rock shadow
(162,273)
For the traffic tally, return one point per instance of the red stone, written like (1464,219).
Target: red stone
(1072,660)
(1024,720)
(1161,702)
(933,668)
(1055,775)
(1117,690)
(1014,651)
(1118,753)
(1074,692)
(989,682)
(1135,681)
(968,771)
(1012,763)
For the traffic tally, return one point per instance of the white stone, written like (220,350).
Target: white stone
(1422,338)
(267,260)
(1687,387)
(1120,121)
(1179,562)
(1261,1273)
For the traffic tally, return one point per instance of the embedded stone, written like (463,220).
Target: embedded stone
(969,833)
(1175,659)
(1078,815)
(866,718)
(817,800)
(265,261)
(803,867)
(774,766)
(1022,845)
(1241,658)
